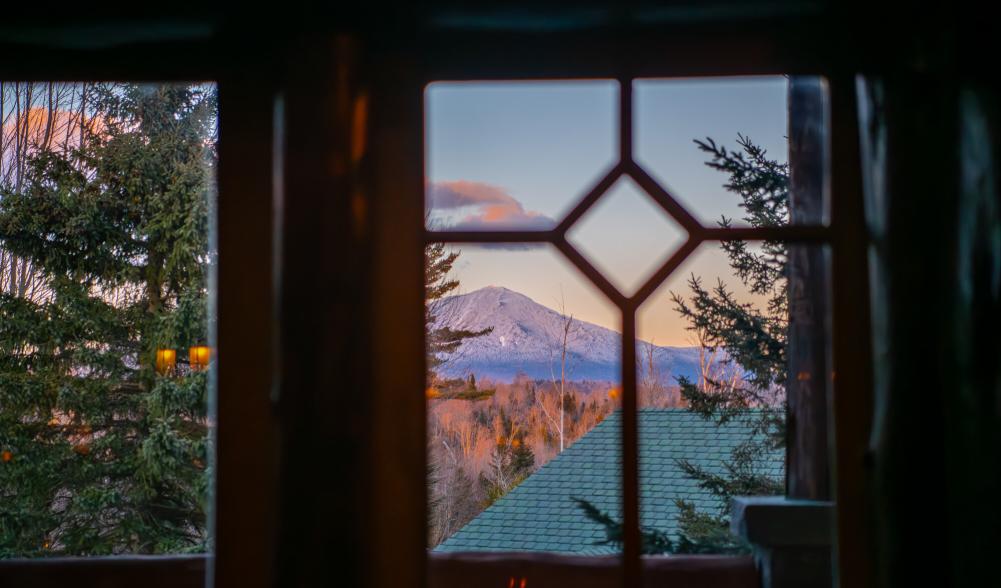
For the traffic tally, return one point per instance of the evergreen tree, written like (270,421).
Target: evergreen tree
(438,284)
(101,453)
(657,542)
(752,338)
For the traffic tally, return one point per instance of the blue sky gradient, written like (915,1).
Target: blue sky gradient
(520,154)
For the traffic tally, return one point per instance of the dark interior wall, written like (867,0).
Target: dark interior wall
(936,228)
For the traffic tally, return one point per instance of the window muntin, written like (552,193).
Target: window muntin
(629,301)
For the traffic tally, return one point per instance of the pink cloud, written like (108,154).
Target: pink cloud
(490,206)
(459,193)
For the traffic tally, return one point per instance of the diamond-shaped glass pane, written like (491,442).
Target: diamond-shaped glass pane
(626,235)
(515,155)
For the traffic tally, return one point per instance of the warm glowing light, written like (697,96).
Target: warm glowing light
(198,358)
(432,393)
(359,128)
(166,361)
(613,393)
(6,456)
(516,443)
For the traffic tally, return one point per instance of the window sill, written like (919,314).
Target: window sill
(791,538)
(461,570)
(127,571)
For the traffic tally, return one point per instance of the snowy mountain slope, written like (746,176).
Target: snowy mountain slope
(526,335)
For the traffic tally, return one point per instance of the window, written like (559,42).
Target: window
(107,253)
(321,235)
(517,440)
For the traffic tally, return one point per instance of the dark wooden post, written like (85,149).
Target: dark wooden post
(793,535)
(851,398)
(393,160)
(912,198)
(807,472)
(247,448)
(973,414)
(324,393)
(936,218)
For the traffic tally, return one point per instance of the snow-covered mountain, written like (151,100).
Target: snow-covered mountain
(526,335)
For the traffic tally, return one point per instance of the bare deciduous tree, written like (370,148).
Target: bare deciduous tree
(654,390)
(717,373)
(554,405)
(34,117)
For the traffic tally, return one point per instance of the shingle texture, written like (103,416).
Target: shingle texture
(540,514)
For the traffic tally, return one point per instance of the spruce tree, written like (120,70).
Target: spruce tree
(102,454)
(753,339)
(441,341)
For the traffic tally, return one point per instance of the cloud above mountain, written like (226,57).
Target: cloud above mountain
(481,206)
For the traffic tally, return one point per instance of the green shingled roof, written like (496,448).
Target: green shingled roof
(540,515)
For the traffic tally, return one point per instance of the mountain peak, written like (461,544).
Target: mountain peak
(524,337)
(494,295)
(493,289)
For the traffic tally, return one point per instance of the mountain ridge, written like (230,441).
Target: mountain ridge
(525,339)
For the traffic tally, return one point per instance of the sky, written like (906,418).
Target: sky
(521,154)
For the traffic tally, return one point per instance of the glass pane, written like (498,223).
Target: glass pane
(626,235)
(515,155)
(713,423)
(522,392)
(685,129)
(106,198)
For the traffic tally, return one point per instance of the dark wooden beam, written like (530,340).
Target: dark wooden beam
(973,409)
(389,139)
(246,462)
(807,446)
(935,219)
(851,396)
(324,396)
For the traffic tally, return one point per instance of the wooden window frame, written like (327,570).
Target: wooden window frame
(245,432)
(732,55)
(374,87)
